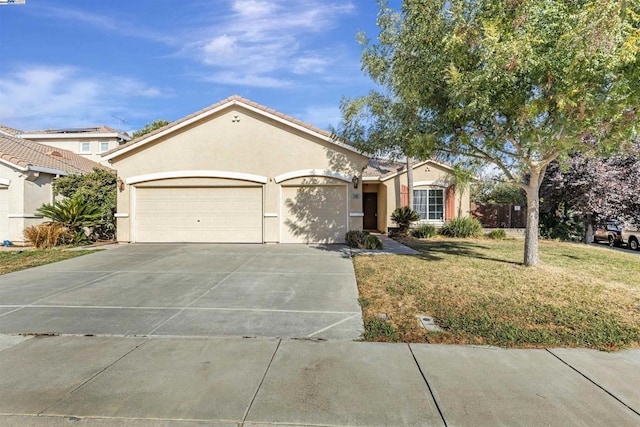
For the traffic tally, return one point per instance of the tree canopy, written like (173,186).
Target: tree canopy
(149,127)
(517,83)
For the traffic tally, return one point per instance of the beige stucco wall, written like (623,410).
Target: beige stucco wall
(26,192)
(429,175)
(255,145)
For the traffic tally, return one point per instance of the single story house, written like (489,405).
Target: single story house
(89,142)
(239,172)
(27,171)
(435,198)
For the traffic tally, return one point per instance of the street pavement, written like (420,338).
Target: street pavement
(255,335)
(200,381)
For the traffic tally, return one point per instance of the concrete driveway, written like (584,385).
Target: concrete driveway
(289,291)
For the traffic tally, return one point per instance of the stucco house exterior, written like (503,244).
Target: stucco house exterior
(385,188)
(27,171)
(240,172)
(88,142)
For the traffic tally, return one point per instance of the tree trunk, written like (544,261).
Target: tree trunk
(532,231)
(410,181)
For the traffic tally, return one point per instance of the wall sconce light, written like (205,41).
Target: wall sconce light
(355,181)
(120,184)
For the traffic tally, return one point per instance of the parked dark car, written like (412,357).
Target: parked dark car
(610,233)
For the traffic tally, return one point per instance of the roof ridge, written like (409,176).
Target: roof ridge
(233,99)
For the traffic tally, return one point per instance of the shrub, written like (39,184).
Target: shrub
(74,213)
(49,235)
(462,227)
(362,239)
(355,238)
(424,231)
(498,234)
(372,242)
(97,188)
(403,217)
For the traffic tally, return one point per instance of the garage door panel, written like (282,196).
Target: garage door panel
(314,214)
(213,214)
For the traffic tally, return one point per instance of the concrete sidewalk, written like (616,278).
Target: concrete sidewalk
(179,381)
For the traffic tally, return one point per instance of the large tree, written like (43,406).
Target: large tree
(594,189)
(518,83)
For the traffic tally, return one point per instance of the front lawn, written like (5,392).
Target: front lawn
(479,293)
(11,261)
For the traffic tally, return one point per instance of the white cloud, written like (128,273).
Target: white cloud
(40,96)
(267,42)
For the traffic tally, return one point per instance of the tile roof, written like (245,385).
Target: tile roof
(83,130)
(9,131)
(231,99)
(25,153)
(381,167)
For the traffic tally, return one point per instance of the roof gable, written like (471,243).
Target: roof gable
(384,169)
(232,101)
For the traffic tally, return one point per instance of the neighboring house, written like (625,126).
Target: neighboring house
(89,142)
(238,171)
(434,198)
(27,170)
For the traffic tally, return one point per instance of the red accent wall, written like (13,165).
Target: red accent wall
(450,203)
(404,195)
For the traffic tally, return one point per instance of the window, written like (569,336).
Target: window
(429,204)
(104,146)
(85,147)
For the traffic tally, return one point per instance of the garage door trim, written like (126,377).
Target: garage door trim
(241,176)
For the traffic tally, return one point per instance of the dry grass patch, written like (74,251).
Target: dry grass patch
(11,261)
(478,292)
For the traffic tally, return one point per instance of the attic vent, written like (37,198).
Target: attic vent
(54,153)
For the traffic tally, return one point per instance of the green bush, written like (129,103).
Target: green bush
(403,217)
(74,213)
(372,242)
(355,238)
(498,234)
(362,239)
(462,227)
(424,231)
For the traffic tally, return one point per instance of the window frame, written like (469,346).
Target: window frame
(102,150)
(433,211)
(82,150)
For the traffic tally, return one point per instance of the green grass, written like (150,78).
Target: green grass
(11,261)
(479,293)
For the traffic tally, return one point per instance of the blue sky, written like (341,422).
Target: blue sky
(69,63)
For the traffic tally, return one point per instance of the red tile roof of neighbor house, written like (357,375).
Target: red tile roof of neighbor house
(231,99)
(26,154)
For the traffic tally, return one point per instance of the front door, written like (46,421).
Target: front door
(370,208)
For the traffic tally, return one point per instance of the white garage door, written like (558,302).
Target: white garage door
(210,214)
(314,214)
(4,212)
